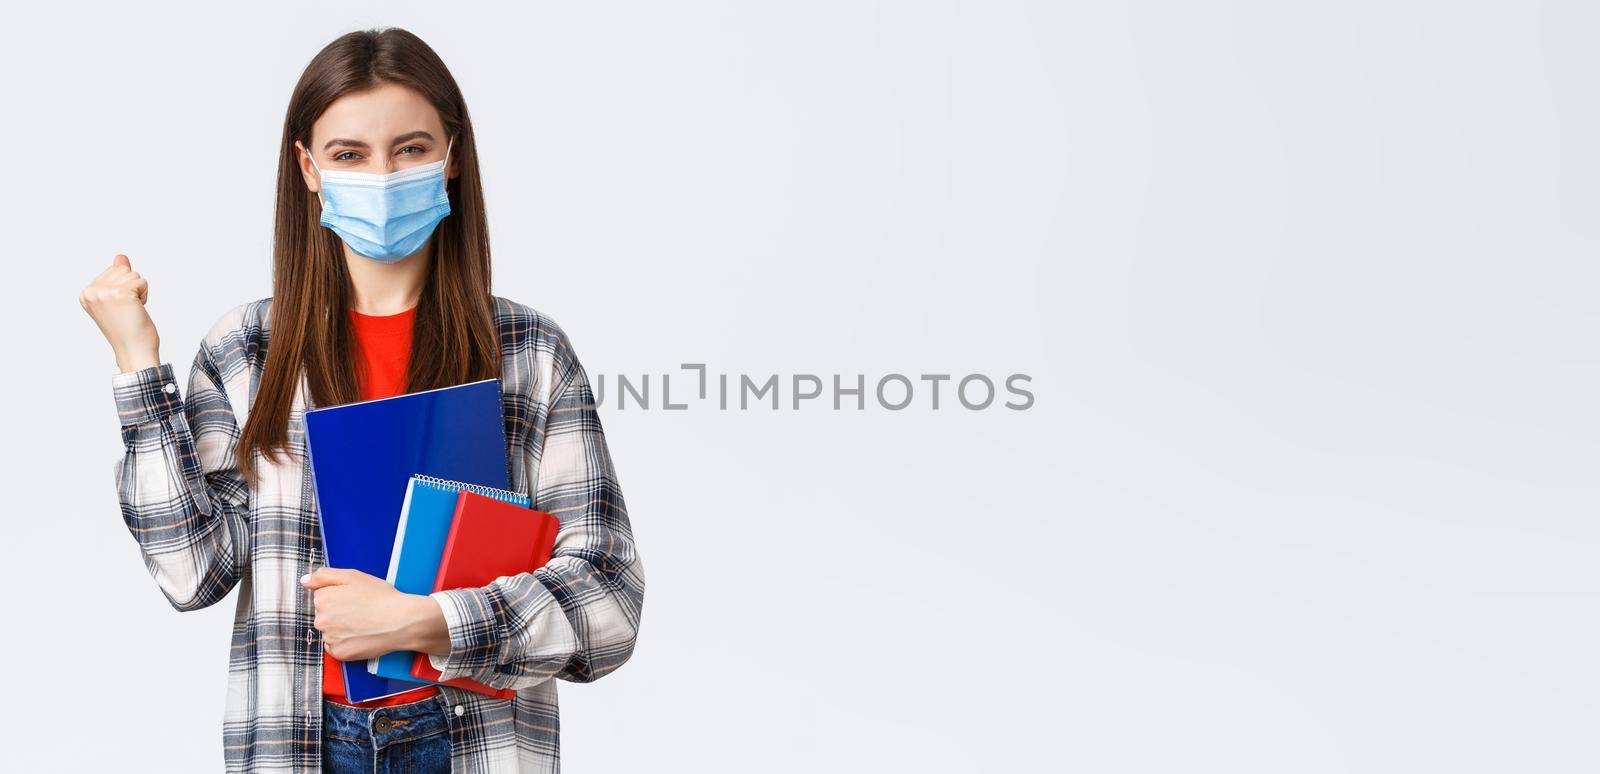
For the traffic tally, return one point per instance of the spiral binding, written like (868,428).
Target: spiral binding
(503,495)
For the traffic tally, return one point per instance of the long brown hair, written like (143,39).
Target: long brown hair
(454,340)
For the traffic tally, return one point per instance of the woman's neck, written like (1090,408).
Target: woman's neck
(382,289)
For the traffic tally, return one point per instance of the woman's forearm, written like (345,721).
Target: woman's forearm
(136,360)
(424,630)
(182,499)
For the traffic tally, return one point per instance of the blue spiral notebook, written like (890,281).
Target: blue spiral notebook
(363,456)
(425,518)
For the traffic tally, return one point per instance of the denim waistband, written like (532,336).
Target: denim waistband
(381,726)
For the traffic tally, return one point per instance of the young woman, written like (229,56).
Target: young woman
(380,287)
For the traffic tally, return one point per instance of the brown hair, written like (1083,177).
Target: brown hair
(454,340)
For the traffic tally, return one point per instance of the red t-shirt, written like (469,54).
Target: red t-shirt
(383,349)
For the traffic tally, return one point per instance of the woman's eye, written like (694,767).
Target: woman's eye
(412,149)
(346,156)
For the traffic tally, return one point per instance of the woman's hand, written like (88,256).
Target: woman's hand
(115,300)
(361,616)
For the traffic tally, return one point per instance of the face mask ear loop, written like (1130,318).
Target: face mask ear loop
(313,158)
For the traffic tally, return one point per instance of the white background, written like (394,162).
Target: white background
(1307,291)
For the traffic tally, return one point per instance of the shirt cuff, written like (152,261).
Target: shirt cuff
(145,395)
(476,621)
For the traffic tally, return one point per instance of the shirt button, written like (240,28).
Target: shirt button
(460,710)
(311,635)
(170,388)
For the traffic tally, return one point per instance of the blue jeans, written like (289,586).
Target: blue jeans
(413,738)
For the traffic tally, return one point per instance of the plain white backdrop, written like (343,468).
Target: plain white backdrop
(1307,291)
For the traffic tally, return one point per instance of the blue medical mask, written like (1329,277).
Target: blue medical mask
(385,217)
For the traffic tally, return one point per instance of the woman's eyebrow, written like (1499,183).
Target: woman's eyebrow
(347,143)
(417,135)
(340,141)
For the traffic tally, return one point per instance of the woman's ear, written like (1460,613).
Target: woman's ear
(307,171)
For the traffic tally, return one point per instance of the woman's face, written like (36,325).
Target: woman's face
(383,129)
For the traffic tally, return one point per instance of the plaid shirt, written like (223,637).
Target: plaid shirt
(202,531)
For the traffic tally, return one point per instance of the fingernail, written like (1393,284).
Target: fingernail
(305,578)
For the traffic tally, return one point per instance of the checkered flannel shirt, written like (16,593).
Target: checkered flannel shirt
(201,531)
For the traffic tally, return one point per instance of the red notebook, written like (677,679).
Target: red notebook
(489,539)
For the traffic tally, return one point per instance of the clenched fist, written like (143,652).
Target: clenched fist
(115,300)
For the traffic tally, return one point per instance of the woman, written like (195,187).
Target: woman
(380,287)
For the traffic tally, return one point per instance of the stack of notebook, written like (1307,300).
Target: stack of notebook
(454,535)
(415,489)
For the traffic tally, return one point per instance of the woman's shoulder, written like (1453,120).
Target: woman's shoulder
(240,331)
(528,333)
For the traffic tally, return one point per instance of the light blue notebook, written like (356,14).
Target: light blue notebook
(425,519)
